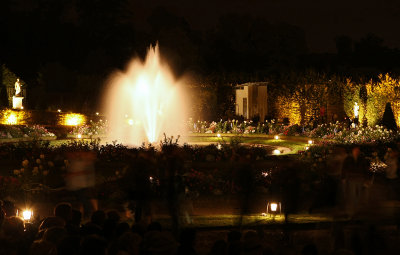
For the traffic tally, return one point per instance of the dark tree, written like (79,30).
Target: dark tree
(388,120)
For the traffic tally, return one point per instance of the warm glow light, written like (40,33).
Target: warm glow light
(274,207)
(147,92)
(310,141)
(276,152)
(73,119)
(219,146)
(59,110)
(22,107)
(27,215)
(307,147)
(276,137)
(218,135)
(12,119)
(97,113)
(79,136)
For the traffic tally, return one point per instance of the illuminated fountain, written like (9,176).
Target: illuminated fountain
(144,102)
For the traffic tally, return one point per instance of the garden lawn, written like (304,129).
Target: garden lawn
(229,221)
(294,143)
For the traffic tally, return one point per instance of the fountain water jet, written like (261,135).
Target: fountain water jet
(144,101)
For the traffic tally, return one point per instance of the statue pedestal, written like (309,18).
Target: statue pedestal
(17,102)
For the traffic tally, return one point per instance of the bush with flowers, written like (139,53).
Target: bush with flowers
(366,135)
(14,131)
(325,130)
(292,130)
(329,132)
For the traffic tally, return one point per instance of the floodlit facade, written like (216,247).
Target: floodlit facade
(252,100)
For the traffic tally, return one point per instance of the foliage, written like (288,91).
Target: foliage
(326,130)
(13,131)
(292,130)
(367,135)
(377,94)
(93,128)
(388,120)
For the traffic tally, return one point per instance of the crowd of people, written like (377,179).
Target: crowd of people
(108,233)
(68,231)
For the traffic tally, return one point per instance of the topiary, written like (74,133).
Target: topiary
(388,120)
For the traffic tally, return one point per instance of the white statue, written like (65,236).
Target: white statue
(356,108)
(17,88)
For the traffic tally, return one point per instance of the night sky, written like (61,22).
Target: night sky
(322,21)
(67,47)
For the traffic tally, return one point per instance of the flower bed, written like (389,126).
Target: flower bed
(331,132)
(92,129)
(8,132)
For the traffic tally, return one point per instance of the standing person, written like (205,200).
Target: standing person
(354,176)
(335,163)
(80,179)
(391,172)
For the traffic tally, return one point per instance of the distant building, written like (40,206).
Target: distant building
(252,100)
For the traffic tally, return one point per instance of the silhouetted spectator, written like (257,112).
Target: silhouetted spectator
(220,247)
(234,242)
(129,243)
(42,247)
(391,172)
(154,226)
(251,244)
(93,244)
(63,210)
(158,243)
(52,222)
(187,242)
(121,228)
(355,169)
(98,217)
(309,249)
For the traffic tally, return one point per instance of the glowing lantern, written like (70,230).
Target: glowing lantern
(274,208)
(79,136)
(276,152)
(27,215)
(310,141)
(276,137)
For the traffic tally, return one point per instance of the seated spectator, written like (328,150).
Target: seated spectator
(251,243)
(42,247)
(93,244)
(64,211)
(129,243)
(98,217)
(55,235)
(155,242)
(220,247)
(187,242)
(52,222)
